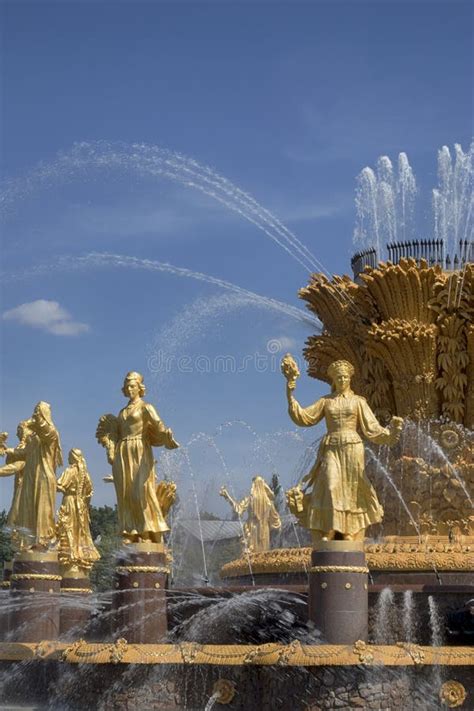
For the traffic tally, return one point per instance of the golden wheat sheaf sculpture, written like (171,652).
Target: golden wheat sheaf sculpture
(408,329)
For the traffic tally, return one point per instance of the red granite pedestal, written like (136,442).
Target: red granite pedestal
(34,596)
(140,593)
(338,591)
(76,603)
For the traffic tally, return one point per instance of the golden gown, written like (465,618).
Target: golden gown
(261,517)
(14,466)
(34,517)
(74,536)
(133,469)
(342,498)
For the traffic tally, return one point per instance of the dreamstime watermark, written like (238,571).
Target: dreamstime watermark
(268,361)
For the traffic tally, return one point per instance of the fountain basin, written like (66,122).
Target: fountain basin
(119,675)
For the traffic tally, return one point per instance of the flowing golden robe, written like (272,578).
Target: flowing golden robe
(133,469)
(342,498)
(75,543)
(261,516)
(34,518)
(14,466)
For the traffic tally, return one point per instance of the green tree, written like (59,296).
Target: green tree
(277,489)
(104,530)
(6,549)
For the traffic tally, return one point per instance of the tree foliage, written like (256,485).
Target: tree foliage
(6,550)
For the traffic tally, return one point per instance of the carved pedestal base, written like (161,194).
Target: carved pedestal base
(34,596)
(140,593)
(338,591)
(76,604)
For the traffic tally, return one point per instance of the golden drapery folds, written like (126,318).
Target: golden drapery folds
(342,500)
(129,439)
(262,515)
(33,509)
(14,466)
(76,547)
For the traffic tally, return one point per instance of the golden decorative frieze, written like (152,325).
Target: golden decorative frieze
(401,554)
(84,591)
(122,569)
(189,653)
(118,651)
(338,569)
(362,650)
(35,576)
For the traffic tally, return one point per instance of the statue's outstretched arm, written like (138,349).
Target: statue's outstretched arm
(373,431)
(158,434)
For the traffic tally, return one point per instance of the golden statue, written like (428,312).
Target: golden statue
(33,508)
(129,439)
(261,514)
(14,466)
(76,548)
(342,501)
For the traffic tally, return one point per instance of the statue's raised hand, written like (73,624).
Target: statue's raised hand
(290,370)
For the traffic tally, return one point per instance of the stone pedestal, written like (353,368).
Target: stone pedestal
(34,597)
(338,591)
(140,593)
(76,603)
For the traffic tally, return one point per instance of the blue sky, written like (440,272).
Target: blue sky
(288,101)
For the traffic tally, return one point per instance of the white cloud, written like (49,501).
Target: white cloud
(46,315)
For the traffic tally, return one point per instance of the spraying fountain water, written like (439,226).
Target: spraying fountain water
(385,202)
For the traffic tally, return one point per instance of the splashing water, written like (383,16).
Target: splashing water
(382,627)
(434,449)
(100,260)
(408,618)
(210,440)
(154,161)
(387,475)
(212,701)
(193,322)
(385,201)
(453,198)
(436,625)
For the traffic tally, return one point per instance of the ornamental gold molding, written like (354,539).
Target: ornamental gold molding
(452,694)
(84,591)
(122,569)
(338,569)
(224,690)
(402,554)
(34,576)
(191,653)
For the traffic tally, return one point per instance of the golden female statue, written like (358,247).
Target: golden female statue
(40,451)
(76,548)
(129,439)
(261,514)
(342,502)
(14,466)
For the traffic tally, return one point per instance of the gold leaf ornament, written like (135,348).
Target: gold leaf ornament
(452,694)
